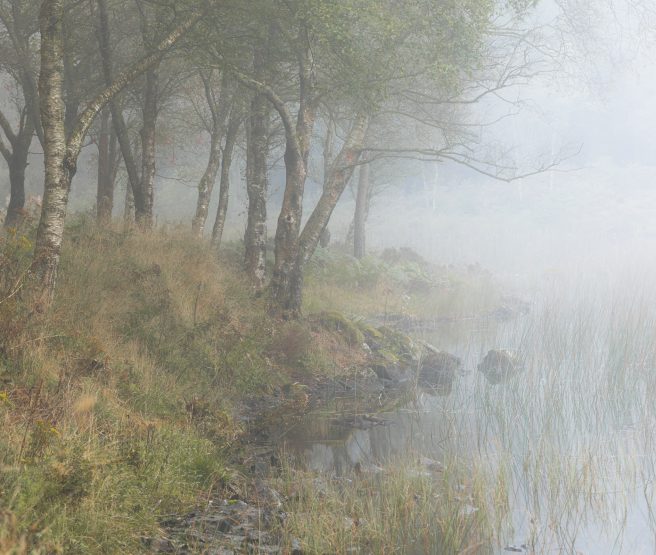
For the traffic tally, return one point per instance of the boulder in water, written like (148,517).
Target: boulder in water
(438,369)
(499,365)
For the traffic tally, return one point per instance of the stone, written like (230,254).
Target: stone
(438,369)
(499,365)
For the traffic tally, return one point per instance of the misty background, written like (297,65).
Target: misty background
(598,205)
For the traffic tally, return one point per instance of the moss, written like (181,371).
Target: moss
(337,322)
(399,344)
(369,331)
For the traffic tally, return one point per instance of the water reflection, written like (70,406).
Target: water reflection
(571,439)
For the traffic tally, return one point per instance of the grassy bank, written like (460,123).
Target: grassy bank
(119,406)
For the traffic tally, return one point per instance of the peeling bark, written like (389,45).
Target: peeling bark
(59,169)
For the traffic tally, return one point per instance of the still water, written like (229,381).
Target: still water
(568,444)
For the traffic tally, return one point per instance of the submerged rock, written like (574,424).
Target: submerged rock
(438,369)
(499,365)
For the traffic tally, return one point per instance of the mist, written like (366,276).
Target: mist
(308,276)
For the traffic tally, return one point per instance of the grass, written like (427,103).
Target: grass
(403,509)
(118,407)
(396,282)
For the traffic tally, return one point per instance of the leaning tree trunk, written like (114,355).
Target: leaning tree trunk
(144,213)
(360,217)
(291,289)
(224,187)
(105,193)
(336,181)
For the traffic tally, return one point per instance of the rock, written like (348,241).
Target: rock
(162,545)
(391,371)
(337,322)
(297,549)
(438,369)
(500,365)
(431,464)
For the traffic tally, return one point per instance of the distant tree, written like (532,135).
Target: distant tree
(18,17)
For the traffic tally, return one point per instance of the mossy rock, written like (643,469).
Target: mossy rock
(399,344)
(369,331)
(337,322)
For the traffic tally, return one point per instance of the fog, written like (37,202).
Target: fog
(596,205)
(475,371)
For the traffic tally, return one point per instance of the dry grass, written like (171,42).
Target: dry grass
(117,408)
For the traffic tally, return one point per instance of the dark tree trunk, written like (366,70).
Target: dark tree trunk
(144,212)
(16,208)
(17,162)
(224,187)
(118,122)
(287,279)
(360,217)
(105,193)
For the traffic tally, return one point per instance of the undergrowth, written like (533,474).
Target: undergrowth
(118,407)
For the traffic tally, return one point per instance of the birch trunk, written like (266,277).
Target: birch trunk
(257,186)
(290,290)
(338,177)
(224,186)
(60,154)
(218,105)
(287,281)
(59,169)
